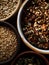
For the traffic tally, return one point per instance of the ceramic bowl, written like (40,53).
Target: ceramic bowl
(19,23)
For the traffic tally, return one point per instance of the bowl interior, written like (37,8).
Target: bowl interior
(8,25)
(12,12)
(21,24)
(30,54)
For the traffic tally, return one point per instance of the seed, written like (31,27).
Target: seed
(30,10)
(37,24)
(7,46)
(29,61)
(6,7)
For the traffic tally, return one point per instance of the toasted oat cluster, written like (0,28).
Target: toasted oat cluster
(7,7)
(36,28)
(8,43)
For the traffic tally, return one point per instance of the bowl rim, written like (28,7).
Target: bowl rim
(15,31)
(31,52)
(22,36)
(13,12)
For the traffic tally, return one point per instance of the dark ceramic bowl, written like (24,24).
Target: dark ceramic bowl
(6,24)
(28,54)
